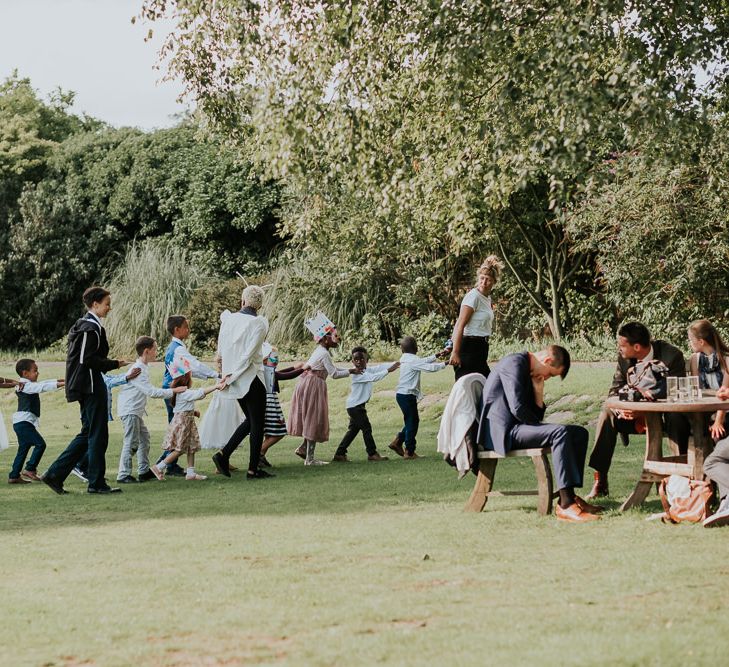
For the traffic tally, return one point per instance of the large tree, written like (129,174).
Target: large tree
(438,114)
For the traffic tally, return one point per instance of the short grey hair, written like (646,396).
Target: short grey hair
(252,296)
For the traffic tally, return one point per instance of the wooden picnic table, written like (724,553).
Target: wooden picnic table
(655,465)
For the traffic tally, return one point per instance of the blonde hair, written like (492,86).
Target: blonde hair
(253,296)
(705,330)
(491,265)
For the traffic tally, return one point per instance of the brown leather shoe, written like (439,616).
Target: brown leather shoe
(574,514)
(396,446)
(600,487)
(376,457)
(18,480)
(341,458)
(30,475)
(410,456)
(587,507)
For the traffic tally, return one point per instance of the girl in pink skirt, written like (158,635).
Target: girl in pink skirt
(309,415)
(182,435)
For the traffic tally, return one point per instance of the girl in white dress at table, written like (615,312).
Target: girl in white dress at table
(309,416)
(182,435)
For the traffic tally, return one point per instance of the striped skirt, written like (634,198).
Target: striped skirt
(274,424)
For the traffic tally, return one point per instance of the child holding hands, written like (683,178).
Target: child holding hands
(408,394)
(26,421)
(360,393)
(182,435)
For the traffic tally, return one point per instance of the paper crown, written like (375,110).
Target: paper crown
(320,325)
(180,366)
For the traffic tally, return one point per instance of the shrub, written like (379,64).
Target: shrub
(155,280)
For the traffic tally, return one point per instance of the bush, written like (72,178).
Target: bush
(205,307)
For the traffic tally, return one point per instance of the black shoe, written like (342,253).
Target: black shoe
(259,474)
(104,490)
(146,476)
(128,480)
(175,471)
(221,464)
(264,462)
(54,484)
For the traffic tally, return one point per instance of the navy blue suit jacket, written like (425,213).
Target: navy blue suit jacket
(508,400)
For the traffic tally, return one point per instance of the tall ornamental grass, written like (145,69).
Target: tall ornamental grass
(157,279)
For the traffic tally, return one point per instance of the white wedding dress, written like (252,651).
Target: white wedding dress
(222,417)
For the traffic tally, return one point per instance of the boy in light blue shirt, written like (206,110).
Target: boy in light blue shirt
(360,393)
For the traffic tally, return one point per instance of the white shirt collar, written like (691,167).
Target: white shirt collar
(175,339)
(98,321)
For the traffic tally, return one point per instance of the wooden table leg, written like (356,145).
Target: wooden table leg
(700,443)
(653,452)
(484,484)
(544,484)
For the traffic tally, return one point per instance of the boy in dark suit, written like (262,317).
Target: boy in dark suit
(513,409)
(86,362)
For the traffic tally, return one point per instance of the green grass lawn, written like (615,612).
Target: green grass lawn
(349,564)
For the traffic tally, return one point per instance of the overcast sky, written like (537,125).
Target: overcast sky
(91,48)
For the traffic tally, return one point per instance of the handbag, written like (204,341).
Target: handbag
(685,500)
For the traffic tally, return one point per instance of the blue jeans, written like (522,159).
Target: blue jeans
(28,437)
(409,406)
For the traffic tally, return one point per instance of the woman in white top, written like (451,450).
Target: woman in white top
(240,345)
(475,320)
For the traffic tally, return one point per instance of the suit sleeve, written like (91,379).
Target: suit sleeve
(518,396)
(677,365)
(619,380)
(89,356)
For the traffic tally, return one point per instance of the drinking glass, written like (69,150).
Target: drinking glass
(684,390)
(695,387)
(672,389)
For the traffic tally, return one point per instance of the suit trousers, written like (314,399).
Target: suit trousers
(569,448)
(253,405)
(716,466)
(608,426)
(93,439)
(358,421)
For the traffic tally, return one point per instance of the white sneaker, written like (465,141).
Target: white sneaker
(721,517)
(315,462)
(79,473)
(195,477)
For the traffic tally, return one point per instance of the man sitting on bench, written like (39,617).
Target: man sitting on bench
(513,408)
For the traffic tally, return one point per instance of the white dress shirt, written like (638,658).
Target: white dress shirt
(321,360)
(32,388)
(411,366)
(361,390)
(198,368)
(185,402)
(133,396)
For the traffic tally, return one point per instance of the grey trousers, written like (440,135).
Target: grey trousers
(716,466)
(136,441)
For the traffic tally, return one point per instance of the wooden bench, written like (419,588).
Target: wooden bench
(482,490)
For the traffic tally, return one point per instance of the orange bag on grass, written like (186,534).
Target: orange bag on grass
(685,500)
